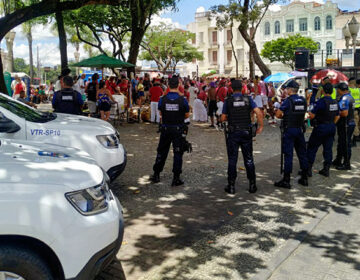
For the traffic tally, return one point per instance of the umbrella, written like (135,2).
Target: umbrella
(298,74)
(278,78)
(335,76)
(102,61)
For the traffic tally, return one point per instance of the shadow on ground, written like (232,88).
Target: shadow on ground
(197,232)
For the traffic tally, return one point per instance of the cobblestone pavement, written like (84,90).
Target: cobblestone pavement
(197,231)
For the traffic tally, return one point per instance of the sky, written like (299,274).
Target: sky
(48,43)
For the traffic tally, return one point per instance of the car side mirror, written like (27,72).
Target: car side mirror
(8,126)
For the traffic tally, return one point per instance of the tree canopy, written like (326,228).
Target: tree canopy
(249,14)
(167,47)
(283,49)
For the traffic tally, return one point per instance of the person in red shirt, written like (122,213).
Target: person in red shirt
(155,93)
(111,86)
(124,88)
(187,93)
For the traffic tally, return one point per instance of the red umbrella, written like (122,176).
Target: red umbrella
(335,76)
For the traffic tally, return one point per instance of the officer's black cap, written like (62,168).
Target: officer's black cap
(236,85)
(342,86)
(328,88)
(174,82)
(291,84)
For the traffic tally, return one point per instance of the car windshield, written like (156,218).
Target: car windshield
(25,112)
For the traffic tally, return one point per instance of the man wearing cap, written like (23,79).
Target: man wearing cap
(320,92)
(292,111)
(237,111)
(67,100)
(355,93)
(221,94)
(174,109)
(324,115)
(345,128)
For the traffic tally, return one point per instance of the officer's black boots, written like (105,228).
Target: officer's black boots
(230,188)
(177,181)
(345,166)
(284,183)
(325,171)
(304,178)
(336,162)
(155,178)
(252,186)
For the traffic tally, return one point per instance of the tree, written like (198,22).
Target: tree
(122,25)
(283,49)
(249,14)
(21,66)
(17,12)
(168,46)
(27,29)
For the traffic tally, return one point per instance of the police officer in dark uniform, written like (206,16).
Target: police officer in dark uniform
(292,111)
(174,109)
(324,115)
(345,128)
(237,111)
(67,100)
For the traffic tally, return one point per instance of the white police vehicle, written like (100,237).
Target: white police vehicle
(58,218)
(97,137)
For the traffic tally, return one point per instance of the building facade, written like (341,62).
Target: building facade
(215,44)
(309,19)
(322,22)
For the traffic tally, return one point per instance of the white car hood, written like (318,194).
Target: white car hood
(88,124)
(39,163)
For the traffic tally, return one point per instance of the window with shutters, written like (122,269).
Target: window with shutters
(328,22)
(290,25)
(214,37)
(277,27)
(214,57)
(303,24)
(317,24)
(267,28)
(329,48)
(228,36)
(229,56)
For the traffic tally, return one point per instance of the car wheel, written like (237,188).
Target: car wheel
(18,263)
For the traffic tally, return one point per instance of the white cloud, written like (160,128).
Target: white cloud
(348,4)
(157,20)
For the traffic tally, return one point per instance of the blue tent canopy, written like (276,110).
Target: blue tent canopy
(278,78)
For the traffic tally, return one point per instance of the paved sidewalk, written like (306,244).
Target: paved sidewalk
(332,250)
(197,231)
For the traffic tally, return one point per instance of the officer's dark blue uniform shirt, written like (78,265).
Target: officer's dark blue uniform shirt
(174,96)
(344,105)
(320,105)
(285,106)
(252,103)
(78,96)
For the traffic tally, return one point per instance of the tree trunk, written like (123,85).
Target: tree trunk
(259,62)
(251,66)
(135,41)
(62,39)
(3,87)
(253,49)
(10,49)
(30,41)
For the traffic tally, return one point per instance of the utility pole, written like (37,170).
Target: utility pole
(37,61)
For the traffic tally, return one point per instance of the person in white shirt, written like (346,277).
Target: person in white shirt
(58,84)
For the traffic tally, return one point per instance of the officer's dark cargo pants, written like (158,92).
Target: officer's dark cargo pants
(169,135)
(294,138)
(324,135)
(235,140)
(342,141)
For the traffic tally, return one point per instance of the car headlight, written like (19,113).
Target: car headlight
(109,141)
(90,201)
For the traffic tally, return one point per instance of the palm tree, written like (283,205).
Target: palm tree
(27,29)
